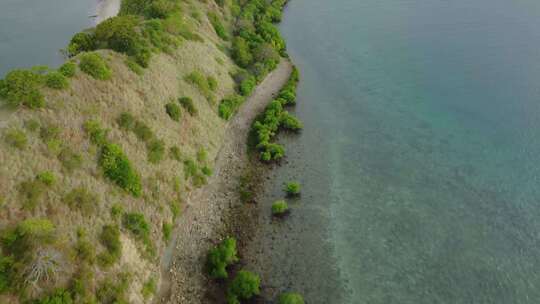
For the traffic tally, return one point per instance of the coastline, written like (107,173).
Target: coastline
(106,9)
(205,220)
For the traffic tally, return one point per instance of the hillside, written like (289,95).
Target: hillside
(99,157)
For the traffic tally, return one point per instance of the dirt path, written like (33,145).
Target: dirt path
(184,279)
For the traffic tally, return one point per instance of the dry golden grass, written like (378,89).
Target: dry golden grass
(144,97)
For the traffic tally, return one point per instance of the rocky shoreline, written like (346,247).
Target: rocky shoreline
(215,211)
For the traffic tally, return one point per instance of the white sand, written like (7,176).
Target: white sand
(106,9)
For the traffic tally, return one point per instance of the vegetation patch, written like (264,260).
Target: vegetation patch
(291,298)
(292,188)
(70,159)
(22,87)
(218,26)
(94,65)
(220,257)
(197,79)
(82,199)
(229,106)
(117,167)
(280,208)
(245,286)
(16,138)
(188,105)
(68,69)
(173,110)
(56,80)
(110,239)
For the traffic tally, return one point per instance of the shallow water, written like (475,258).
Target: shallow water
(421,154)
(32,32)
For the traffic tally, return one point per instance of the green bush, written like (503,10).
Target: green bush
(69,159)
(56,80)
(206,170)
(46,177)
(49,132)
(68,69)
(212,83)
(175,153)
(117,167)
(176,209)
(220,257)
(119,33)
(110,239)
(31,191)
(97,134)
(201,82)
(116,211)
(16,138)
(84,250)
(280,208)
(292,188)
(80,198)
(291,298)
(21,87)
(218,26)
(166,228)
(289,122)
(81,42)
(173,110)
(159,9)
(187,103)
(126,121)
(31,125)
(202,155)
(247,86)
(190,168)
(244,286)
(149,288)
(113,291)
(155,151)
(241,52)
(142,131)
(60,296)
(21,240)
(229,106)
(94,65)
(136,224)
(7,272)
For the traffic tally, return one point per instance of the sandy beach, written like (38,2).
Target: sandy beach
(106,9)
(205,218)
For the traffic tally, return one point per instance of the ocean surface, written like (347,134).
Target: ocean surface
(420,158)
(32,32)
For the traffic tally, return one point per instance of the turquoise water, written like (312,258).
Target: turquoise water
(32,32)
(421,154)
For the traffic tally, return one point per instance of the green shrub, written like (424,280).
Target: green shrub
(69,159)
(187,103)
(21,240)
(46,177)
(244,286)
(119,33)
(202,155)
(173,110)
(212,83)
(291,298)
(31,191)
(149,288)
(190,168)
(116,211)
(134,66)
(31,125)
(136,224)
(113,291)
(197,79)
(85,250)
(159,9)
(133,7)
(220,257)
(117,167)
(60,296)
(68,69)
(229,106)
(80,198)
(289,122)
(155,151)
(247,85)
(110,239)
(56,80)
(94,65)
(126,121)
(280,208)
(7,272)
(176,208)
(49,132)
(81,42)
(142,131)
(175,153)
(218,26)
(292,188)
(206,170)
(166,228)
(16,138)
(97,134)
(21,87)
(241,52)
